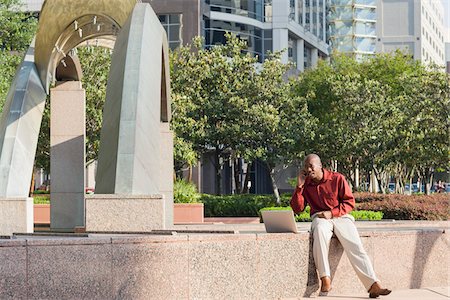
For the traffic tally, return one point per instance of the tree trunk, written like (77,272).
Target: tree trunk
(190,173)
(429,182)
(245,188)
(237,176)
(32,184)
(373,185)
(218,167)
(274,184)
(410,185)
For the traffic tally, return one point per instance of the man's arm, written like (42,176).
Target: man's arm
(346,199)
(297,200)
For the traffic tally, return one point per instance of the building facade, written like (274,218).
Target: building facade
(415,26)
(352,26)
(365,27)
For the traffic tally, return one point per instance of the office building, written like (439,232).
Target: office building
(365,27)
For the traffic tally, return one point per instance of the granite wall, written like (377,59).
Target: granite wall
(210,266)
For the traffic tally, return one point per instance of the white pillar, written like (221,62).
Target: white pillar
(280,20)
(300,55)
(314,57)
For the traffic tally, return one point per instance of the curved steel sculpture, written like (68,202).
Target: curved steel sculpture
(137,108)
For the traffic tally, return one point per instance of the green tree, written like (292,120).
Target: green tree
(95,63)
(279,127)
(387,115)
(211,91)
(16,32)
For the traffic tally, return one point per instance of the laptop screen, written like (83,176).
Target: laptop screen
(279,221)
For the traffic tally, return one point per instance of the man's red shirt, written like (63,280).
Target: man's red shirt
(331,193)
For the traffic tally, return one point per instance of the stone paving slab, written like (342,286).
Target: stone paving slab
(437,293)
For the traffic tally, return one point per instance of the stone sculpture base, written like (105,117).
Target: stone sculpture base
(16,215)
(123,213)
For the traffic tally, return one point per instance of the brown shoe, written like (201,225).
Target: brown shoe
(326,284)
(376,290)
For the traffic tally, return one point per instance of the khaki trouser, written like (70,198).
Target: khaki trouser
(345,230)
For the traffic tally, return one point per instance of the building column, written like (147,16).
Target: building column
(300,55)
(314,57)
(67,156)
(280,19)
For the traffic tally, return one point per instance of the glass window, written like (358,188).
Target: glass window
(249,8)
(215,34)
(300,11)
(172,25)
(292,50)
(268,10)
(365,28)
(307,58)
(291,10)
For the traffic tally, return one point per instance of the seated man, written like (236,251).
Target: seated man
(331,201)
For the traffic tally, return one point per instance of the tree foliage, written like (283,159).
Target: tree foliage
(387,115)
(16,32)
(226,103)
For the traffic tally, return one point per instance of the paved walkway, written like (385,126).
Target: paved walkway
(437,293)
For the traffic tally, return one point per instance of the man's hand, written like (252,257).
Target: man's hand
(301,178)
(326,214)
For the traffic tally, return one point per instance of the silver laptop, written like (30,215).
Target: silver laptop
(279,221)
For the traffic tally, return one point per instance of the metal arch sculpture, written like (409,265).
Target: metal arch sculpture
(139,79)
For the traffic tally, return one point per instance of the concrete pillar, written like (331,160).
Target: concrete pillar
(279,24)
(301,55)
(303,13)
(67,156)
(314,57)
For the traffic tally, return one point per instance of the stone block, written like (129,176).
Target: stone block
(16,215)
(223,266)
(13,270)
(67,211)
(150,269)
(73,271)
(283,265)
(436,259)
(397,257)
(68,109)
(124,212)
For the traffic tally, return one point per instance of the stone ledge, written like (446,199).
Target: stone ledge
(194,265)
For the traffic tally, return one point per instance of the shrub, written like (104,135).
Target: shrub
(304,215)
(244,205)
(367,215)
(185,192)
(41,192)
(406,207)
(41,199)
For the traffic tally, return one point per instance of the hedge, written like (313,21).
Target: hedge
(406,207)
(393,206)
(245,205)
(357,214)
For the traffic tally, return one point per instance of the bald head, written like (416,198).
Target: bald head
(312,158)
(312,167)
